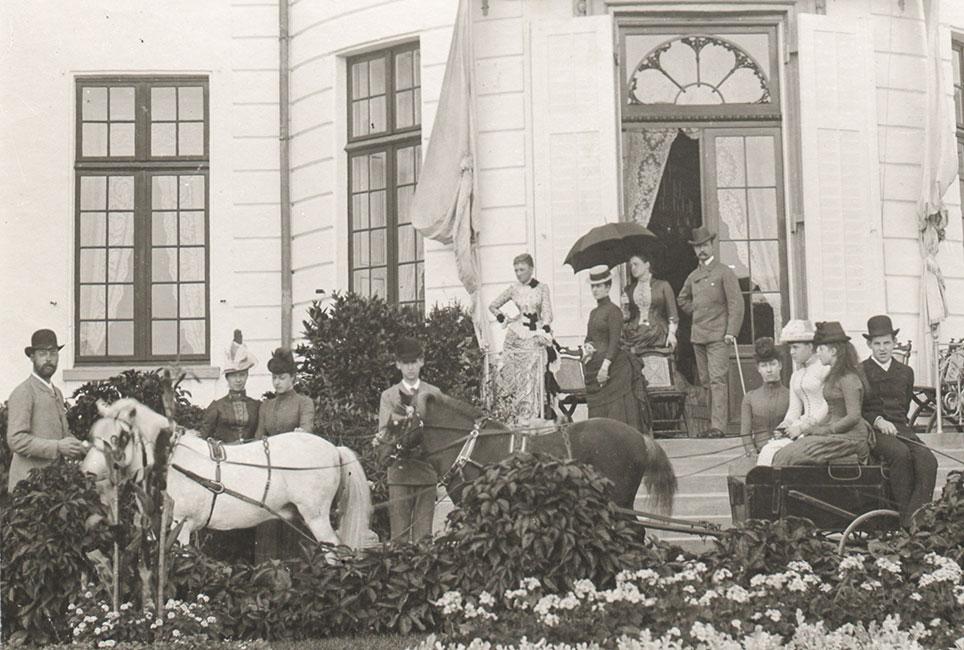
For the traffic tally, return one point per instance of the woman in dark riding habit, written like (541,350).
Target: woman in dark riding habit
(615,386)
(652,318)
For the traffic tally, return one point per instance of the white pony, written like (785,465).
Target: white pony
(326,472)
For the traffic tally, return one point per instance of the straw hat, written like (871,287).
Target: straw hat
(237,358)
(797,331)
(600,274)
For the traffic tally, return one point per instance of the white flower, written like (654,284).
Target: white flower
(852,563)
(737,594)
(87,594)
(97,631)
(884,564)
(486,599)
(826,588)
(450,602)
(170,615)
(774,615)
(211,619)
(529,584)
(77,631)
(736,623)
(800,566)
(722,574)
(673,631)
(551,620)
(797,584)
(916,597)
(176,633)
(583,588)
(935,622)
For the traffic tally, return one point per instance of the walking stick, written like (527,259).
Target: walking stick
(739,365)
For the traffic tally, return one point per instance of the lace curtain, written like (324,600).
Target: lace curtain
(645,153)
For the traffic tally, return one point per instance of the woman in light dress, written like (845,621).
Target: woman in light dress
(521,380)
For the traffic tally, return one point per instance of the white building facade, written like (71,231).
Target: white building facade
(143,187)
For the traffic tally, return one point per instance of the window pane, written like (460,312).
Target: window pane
(359,118)
(93,339)
(121,193)
(92,301)
(359,173)
(761,168)
(192,228)
(417,101)
(359,283)
(405,166)
(93,265)
(122,103)
(765,266)
(93,192)
(359,211)
(403,71)
(163,138)
(164,265)
(94,103)
(121,229)
(192,337)
(404,199)
(733,220)
(192,301)
(94,140)
(192,192)
(122,139)
(417,65)
(420,278)
(192,265)
(120,265)
(359,80)
(735,255)
(164,301)
(376,202)
(376,77)
(956,65)
(163,104)
(404,115)
(730,164)
(93,229)
(763,213)
(406,244)
(164,192)
(376,162)
(190,103)
(378,120)
(120,338)
(120,300)
(359,255)
(406,283)
(419,246)
(164,228)
(379,248)
(767,314)
(164,337)
(190,140)
(380,282)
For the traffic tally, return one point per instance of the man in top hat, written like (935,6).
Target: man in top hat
(37,429)
(711,294)
(913,467)
(411,483)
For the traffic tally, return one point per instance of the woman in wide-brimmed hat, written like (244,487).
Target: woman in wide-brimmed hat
(615,386)
(843,436)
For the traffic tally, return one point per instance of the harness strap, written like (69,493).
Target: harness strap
(216,450)
(267,460)
(218,488)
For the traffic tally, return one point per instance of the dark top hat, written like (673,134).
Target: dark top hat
(408,350)
(281,362)
(42,340)
(701,235)
(829,332)
(879,326)
(765,350)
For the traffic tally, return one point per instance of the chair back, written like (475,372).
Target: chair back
(569,375)
(902,351)
(659,368)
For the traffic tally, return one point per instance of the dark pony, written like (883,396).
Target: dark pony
(440,426)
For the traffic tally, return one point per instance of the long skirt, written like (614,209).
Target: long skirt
(638,338)
(522,377)
(624,396)
(847,447)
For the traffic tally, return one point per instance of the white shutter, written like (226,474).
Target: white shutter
(841,191)
(575,160)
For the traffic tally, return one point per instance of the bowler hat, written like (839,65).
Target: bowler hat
(600,274)
(408,350)
(880,325)
(42,340)
(830,332)
(797,331)
(281,362)
(701,235)
(764,350)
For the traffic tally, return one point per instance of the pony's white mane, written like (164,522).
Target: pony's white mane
(129,410)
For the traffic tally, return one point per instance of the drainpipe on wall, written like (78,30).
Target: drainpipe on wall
(284,174)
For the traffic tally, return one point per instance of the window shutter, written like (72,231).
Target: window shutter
(574,151)
(841,191)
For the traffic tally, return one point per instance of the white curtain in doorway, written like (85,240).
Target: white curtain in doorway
(645,152)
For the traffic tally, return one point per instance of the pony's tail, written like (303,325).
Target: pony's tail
(659,478)
(355,502)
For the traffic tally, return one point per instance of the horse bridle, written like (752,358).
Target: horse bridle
(464,456)
(115,451)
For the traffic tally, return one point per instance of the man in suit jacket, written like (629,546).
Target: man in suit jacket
(411,483)
(37,429)
(913,467)
(712,295)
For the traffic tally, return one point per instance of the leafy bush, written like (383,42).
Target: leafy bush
(45,533)
(145,387)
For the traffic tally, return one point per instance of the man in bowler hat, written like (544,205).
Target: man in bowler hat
(37,429)
(411,482)
(712,295)
(913,467)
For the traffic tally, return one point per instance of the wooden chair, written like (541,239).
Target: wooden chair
(667,403)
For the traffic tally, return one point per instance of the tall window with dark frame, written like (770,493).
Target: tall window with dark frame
(141,264)
(386,256)
(957,62)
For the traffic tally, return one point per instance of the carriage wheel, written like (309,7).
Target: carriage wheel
(856,523)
